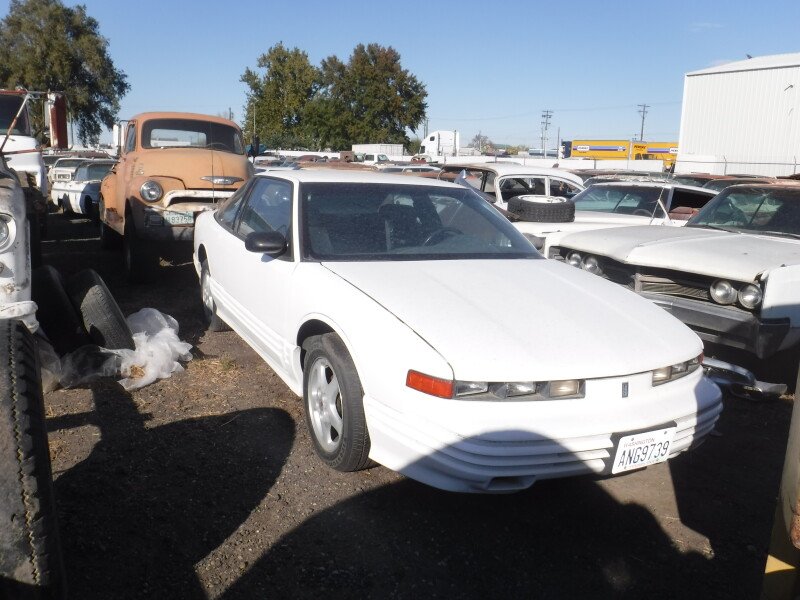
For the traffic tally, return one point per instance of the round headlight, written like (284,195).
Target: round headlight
(591,265)
(750,296)
(723,292)
(151,191)
(5,232)
(574,259)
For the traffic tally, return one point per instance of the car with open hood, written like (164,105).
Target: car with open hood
(732,273)
(425,333)
(172,167)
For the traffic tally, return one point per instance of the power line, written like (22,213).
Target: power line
(546,114)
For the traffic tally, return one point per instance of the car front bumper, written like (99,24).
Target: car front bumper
(726,326)
(495,447)
(176,223)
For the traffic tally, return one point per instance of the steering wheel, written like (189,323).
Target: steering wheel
(442,232)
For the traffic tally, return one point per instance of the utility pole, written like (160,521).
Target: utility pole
(546,114)
(642,111)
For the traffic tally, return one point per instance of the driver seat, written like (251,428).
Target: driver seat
(403,229)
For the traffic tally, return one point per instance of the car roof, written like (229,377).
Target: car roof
(181,115)
(345,176)
(655,184)
(787,187)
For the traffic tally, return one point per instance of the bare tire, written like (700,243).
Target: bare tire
(30,551)
(99,312)
(212,321)
(542,212)
(56,315)
(140,257)
(334,404)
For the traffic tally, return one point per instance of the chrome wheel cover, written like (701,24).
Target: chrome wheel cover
(324,400)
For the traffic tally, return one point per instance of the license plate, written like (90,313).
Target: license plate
(643,449)
(178,218)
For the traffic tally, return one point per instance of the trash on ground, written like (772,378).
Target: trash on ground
(157,354)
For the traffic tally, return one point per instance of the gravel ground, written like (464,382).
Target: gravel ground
(205,485)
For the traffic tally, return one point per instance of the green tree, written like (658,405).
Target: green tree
(278,97)
(47,46)
(371,99)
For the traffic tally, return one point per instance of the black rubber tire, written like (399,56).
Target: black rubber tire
(139,257)
(109,239)
(30,551)
(100,313)
(352,454)
(56,315)
(542,212)
(210,318)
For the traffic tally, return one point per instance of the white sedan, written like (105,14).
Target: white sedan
(425,333)
(81,194)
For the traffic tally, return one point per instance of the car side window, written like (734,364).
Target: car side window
(268,208)
(565,189)
(130,140)
(226,214)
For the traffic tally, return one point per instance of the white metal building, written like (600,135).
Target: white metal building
(742,117)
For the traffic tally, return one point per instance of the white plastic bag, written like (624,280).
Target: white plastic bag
(157,352)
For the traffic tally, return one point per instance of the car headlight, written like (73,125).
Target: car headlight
(750,296)
(592,265)
(574,259)
(488,391)
(5,231)
(676,371)
(151,191)
(722,292)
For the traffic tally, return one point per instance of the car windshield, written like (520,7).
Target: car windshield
(374,222)
(9,105)
(622,199)
(68,163)
(93,172)
(754,210)
(191,133)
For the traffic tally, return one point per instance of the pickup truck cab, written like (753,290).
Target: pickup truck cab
(172,167)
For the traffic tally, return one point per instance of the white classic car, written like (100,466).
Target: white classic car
(81,194)
(374,298)
(732,274)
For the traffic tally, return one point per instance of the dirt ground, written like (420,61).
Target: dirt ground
(205,485)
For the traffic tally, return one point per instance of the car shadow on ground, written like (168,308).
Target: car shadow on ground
(564,538)
(170,494)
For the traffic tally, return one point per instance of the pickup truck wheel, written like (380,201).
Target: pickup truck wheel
(213,322)
(100,313)
(542,212)
(30,560)
(334,404)
(141,259)
(109,239)
(55,313)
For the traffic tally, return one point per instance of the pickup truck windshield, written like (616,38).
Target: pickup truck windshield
(190,133)
(9,105)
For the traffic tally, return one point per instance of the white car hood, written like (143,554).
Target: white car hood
(523,320)
(710,252)
(587,220)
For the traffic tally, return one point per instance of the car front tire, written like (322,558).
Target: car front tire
(334,404)
(212,321)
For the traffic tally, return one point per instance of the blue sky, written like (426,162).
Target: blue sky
(488,66)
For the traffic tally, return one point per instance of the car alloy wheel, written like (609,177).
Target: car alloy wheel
(325,405)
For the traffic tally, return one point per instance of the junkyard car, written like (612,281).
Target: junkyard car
(732,274)
(64,169)
(374,297)
(81,194)
(172,167)
(504,181)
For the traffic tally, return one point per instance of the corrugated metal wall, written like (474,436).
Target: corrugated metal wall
(743,118)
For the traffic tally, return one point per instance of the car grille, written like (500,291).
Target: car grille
(672,287)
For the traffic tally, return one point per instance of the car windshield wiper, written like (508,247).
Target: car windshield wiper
(788,234)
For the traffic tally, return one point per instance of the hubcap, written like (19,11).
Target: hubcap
(325,405)
(208,300)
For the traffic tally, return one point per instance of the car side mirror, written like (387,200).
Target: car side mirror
(272,243)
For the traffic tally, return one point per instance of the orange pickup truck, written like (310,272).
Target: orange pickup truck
(172,166)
